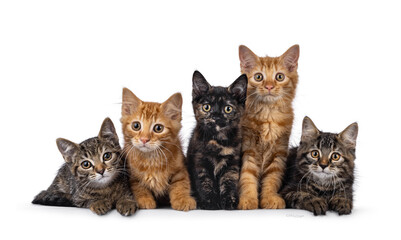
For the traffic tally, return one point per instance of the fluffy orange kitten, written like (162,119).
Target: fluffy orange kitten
(267,124)
(153,150)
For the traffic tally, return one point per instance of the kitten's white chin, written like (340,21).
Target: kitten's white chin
(104,179)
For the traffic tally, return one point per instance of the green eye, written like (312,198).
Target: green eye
(335,156)
(228,109)
(258,77)
(206,107)
(280,77)
(136,126)
(158,128)
(107,156)
(86,164)
(315,154)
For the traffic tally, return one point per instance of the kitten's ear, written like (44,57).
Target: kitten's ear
(67,148)
(172,107)
(199,84)
(290,58)
(130,102)
(309,130)
(247,58)
(107,131)
(238,88)
(348,136)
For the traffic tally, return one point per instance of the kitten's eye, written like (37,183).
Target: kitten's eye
(228,109)
(335,156)
(158,128)
(315,154)
(258,77)
(107,156)
(136,126)
(280,77)
(86,164)
(206,107)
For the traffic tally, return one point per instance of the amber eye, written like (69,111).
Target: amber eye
(158,128)
(335,156)
(280,77)
(228,109)
(315,154)
(86,164)
(136,126)
(258,77)
(107,156)
(206,107)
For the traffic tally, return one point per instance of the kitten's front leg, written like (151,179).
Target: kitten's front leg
(341,205)
(180,191)
(272,176)
(249,181)
(100,207)
(307,201)
(126,205)
(229,188)
(143,196)
(207,198)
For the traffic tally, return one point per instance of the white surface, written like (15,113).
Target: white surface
(63,65)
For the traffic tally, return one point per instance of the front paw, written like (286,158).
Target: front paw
(184,204)
(100,207)
(146,203)
(247,203)
(316,205)
(273,201)
(341,205)
(229,202)
(126,207)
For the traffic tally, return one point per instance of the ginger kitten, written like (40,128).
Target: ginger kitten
(153,150)
(267,125)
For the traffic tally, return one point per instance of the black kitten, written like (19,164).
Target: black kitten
(215,146)
(93,175)
(320,172)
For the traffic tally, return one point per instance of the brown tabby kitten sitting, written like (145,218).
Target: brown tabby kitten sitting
(93,175)
(267,124)
(153,149)
(320,172)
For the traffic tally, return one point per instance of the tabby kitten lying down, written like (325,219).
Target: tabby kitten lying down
(93,176)
(214,152)
(320,172)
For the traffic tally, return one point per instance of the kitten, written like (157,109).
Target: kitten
(154,153)
(320,171)
(215,147)
(267,124)
(93,176)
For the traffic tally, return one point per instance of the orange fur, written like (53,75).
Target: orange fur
(157,166)
(267,125)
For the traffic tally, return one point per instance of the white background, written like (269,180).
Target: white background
(63,65)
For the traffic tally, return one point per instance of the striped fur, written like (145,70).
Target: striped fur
(267,125)
(323,183)
(103,186)
(157,163)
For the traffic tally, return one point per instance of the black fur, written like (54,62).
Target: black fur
(215,146)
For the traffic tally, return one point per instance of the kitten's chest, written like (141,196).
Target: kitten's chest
(157,180)
(268,125)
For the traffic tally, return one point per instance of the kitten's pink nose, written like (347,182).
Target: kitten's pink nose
(269,87)
(144,140)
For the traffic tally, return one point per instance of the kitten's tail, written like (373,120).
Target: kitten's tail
(52,199)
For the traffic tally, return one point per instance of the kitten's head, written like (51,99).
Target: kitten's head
(96,160)
(218,107)
(148,125)
(327,156)
(270,79)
